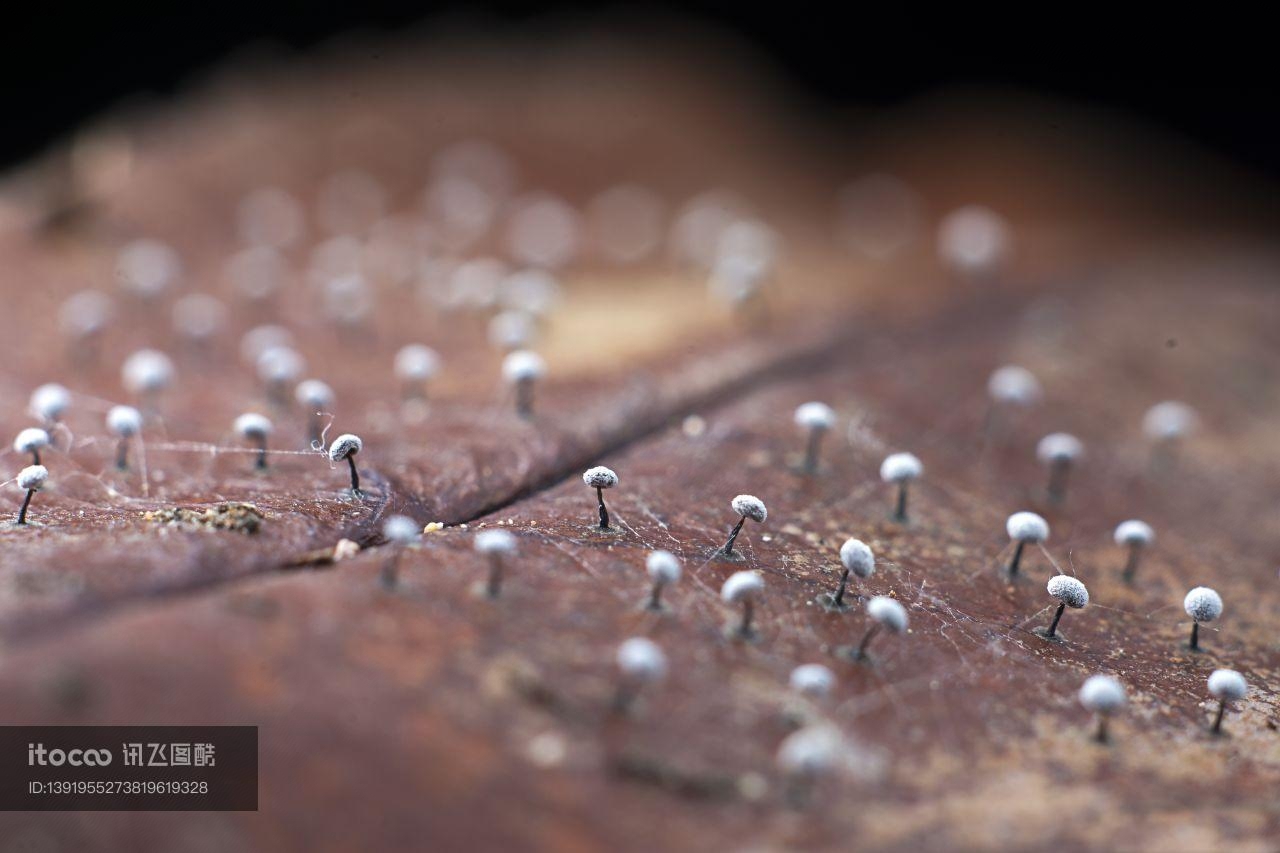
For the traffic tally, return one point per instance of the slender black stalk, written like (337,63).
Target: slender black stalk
(391,570)
(811,450)
(26,502)
(1217,722)
(838,598)
(727,550)
(1131,564)
(655,596)
(315,430)
(261,464)
(604,513)
(900,512)
(35,456)
(625,697)
(524,398)
(1195,637)
(1102,736)
(861,651)
(122,455)
(1059,472)
(748,613)
(1016,559)
(495,576)
(1057,617)
(355,475)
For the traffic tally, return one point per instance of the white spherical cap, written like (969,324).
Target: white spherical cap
(147,370)
(810,751)
(1228,685)
(1015,385)
(973,238)
(199,316)
(1203,604)
(640,659)
(417,363)
(900,467)
(345,445)
(253,425)
(1102,694)
(857,557)
(1134,532)
(523,366)
(279,364)
(85,313)
(495,542)
(1070,591)
(124,421)
(663,566)
(50,401)
(751,507)
(511,330)
(1027,527)
(1170,419)
(815,416)
(401,529)
(259,339)
(33,477)
(30,440)
(888,612)
(314,393)
(600,477)
(148,267)
(1059,447)
(530,292)
(813,679)
(741,586)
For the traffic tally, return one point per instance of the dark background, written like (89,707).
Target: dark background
(1208,80)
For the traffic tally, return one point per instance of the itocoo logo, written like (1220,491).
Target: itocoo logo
(37,754)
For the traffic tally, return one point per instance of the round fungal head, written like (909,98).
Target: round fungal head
(259,339)
(1134,532)
(1027,527)
(512,330)
(857,557)
(85,313)
(401,530)
(314,394)
(741,586)
(662,566)
(253,426)
(280,364)
(33,477)
(523,366)
(495,542)
(1227,685)
(1169,420)
(811,751)
(124,421)
(1059,447)
(815,416)
(750,507)
(888,612)
(900,467)
(1070,591)
(147,371)
(1102,694)
(147,268)
(973,239)
(1203,604)
(640,659)
(199,316)
(343,446)
(813,679)
(600,477)
(416,363)
(530,292)
(1014,385)
(30,440)
(49,402)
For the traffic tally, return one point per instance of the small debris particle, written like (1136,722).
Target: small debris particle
(238,517)
(433,527)
(345,549)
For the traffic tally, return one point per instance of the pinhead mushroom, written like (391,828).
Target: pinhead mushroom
(255,428)
(973,240)
(496,545)
(400,531)
(900,468)
(346,446)
(278,368)
(1169,421)
(805,756)
(1202,605)
(813,680)
(1134,535)
(746,506)
(1024,527)
(640,662)
(857,559)
(522,369)
(1060,452)
(1226,685)
(50,401)
(415,366)
(512,330)
(663,568)
(32,479)
(1070,592)
(124,422)
(146,373)
(315,397)
(198,317)
(816,419)
(1102,696)
(885,613)
(743,588)
(31,440)
(601,478)
(147,268)
(1012,385)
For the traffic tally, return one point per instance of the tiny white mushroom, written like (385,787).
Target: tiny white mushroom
(124,422)
(885,612)
(1169,421)
(640,662)
(32,479)
(815,419)
(512,330)
(663,568)
(147,268)
(315,397)
(806,755)
(198,317)
(857,559)
(522,369)
(31,440)
(1202,605)
(346,446)
(1059,451)
(813,680)
(901,469)
(496,545)
(146,373)
(1102,696)
(50,402)
(1134,535)
(415,366)
(1226,685)
(746,506)
(256,428)
(1024,527)
(278,368)
(601,478)
(743,588)
(1014,386)
(400,531)
(1070,592)
(259,339)
(973,240)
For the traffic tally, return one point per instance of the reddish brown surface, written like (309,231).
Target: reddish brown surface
(431,717)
